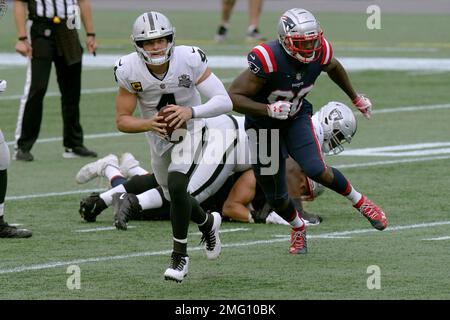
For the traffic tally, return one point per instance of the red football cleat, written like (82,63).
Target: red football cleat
(372,212)
(298,242)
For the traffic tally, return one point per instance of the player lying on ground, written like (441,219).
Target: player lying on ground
(238,197)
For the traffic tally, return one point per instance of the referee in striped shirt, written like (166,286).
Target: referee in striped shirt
(50,36)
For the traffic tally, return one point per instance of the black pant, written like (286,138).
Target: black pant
(45,52)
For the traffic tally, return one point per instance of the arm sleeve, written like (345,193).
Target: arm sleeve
(219,102)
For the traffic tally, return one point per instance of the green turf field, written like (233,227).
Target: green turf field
(410,183)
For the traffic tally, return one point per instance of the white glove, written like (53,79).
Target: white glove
(279,110)
(364,105)
(2,85)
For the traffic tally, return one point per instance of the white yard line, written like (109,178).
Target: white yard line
(55,264)
(100,229)
(221,231)
(438,239)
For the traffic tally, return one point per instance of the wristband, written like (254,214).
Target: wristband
(90,34)
(22,38)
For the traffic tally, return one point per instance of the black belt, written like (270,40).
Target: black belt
(50,21)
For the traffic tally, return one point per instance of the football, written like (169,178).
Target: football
(162,112)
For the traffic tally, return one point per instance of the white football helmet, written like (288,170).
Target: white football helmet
(339,126)
(153,25)
(300,35)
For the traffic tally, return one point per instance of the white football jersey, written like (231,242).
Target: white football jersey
(186,66)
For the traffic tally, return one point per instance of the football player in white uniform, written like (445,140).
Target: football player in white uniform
(6,230)
(159,74)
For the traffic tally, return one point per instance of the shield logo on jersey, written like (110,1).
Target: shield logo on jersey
(137,86)
(184,81)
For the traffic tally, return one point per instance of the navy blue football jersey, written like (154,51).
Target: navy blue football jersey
(287,78)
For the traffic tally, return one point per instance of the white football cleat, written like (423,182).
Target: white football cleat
(178,268)
(128,162)
(274,218)
(211,238)
(96,168)
(3,85)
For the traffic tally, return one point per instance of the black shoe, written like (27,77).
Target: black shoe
(78,151)
(91,207)
(125,205)
(23,155)
(221,33)
(7,231)
(313,219)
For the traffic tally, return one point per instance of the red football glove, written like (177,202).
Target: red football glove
(364,105)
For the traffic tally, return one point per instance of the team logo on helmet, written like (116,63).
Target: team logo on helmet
(335,114)
(288,23)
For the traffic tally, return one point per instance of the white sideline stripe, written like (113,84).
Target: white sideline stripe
(222,231)
(56,264)
(388,162)
(84,91)
(354,165)
(88,136)
(227,62)
(100,229)
(437,239)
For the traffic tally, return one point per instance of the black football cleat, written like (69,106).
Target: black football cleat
(7,231)
(91,207)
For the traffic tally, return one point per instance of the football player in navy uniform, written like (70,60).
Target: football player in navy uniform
(271,93)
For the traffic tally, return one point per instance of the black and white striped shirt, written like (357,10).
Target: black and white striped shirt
(51,8)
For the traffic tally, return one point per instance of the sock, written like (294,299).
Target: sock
(150,199)
(2,206)
(297,223)
(107,196)
(354,196)
(117,180)
(139,184)
(112,172)
(137,171)
(3,185)
(180,246)
(207,224)
(180,204)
